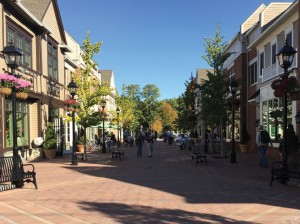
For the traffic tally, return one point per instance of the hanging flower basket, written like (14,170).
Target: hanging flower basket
(286,86)
(295,95)
(5,91)
(23,86)
(21,95)
(77,110)
(72,105)
(277,93)
(275,84)
(7,80)
(70,109)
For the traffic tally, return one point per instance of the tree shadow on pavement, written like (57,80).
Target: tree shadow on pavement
(122,213)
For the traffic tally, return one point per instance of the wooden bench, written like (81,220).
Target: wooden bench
(12,170)
(118,153)
(284,173)
(198,153)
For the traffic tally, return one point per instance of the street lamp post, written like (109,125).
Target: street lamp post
(72,87)
(118,115)
(233,89)
(103,104)
(285,57)
(13,56)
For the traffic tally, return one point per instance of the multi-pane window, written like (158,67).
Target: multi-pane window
(261,62)
(274,49)
(253,73)
(52,61)
(272,116)
(289,38)
(21,41)
(22,124)
(231,73)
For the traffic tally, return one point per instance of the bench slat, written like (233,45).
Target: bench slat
(12,170)
(290,171)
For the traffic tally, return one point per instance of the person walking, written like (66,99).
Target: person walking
(150,144)
(139,139)
(262,141)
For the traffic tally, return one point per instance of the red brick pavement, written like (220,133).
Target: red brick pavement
(167,188)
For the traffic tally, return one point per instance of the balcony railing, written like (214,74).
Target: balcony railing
(275,70)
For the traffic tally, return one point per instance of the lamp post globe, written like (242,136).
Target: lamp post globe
(285,58)
(72,87)
(13,58)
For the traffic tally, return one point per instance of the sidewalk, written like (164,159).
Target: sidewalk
(167,188)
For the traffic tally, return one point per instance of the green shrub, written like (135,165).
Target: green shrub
(50,141)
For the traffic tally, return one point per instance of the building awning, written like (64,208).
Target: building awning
(33,98)
(255,98)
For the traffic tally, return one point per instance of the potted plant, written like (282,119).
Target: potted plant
(245,138)
(80,142)
(50,142)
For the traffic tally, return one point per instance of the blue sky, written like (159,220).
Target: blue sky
(154,41)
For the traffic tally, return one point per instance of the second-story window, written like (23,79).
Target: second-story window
(274,50)
(231,72)
(52,61)
(261,62)
(289,38)
(22,41)
(253,73)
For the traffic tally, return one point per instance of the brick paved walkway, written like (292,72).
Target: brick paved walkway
(167,188)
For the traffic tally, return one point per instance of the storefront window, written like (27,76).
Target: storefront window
(272,116)
(22,124)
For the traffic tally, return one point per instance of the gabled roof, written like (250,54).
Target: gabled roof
(253,19)
(37,7)
(20,10)
(36,10)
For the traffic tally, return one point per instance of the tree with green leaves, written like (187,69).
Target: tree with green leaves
(127,106)
(214,91)
(186,108)
(150,104)
(90,89)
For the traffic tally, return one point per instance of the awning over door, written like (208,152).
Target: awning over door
(255,98)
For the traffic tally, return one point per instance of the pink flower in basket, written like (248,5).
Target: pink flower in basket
(7,80)
(23,86)
(72,103)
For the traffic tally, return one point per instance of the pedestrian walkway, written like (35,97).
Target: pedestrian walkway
(167,188)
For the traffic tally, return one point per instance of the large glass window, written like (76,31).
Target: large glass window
(22,41)
(253,73)
(272,116)
(22,124)
(52,61)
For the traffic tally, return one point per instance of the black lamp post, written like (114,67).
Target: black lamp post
(13,58)
(285,57)
(233,89)
(118,115)
(72,87)
(103,104)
